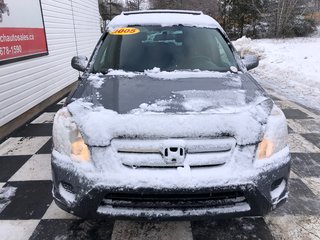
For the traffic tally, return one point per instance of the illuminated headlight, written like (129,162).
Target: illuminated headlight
(276,135)
(67,138)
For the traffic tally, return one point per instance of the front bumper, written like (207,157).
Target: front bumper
(89,196)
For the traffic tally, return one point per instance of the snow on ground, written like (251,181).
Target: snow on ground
(290,67)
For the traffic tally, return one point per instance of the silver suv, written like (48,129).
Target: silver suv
(167,122)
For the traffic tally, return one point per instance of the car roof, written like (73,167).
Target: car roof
(163,18)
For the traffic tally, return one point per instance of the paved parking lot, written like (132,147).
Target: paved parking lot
(27,210)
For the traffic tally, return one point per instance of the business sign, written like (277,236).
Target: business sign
(22,33)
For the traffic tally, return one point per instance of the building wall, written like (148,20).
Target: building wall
(72,28)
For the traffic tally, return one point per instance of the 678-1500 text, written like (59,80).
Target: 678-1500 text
(10,50)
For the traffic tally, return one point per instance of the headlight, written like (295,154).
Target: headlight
(67,138)
(276,136)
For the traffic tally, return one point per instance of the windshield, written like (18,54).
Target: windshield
(167,48)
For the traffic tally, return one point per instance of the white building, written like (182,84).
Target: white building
(30,83)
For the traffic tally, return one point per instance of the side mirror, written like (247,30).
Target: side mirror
(250,61)
(79,63)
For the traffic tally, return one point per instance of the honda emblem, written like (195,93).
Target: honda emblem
(174,155)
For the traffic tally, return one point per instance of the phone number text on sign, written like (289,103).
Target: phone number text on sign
(19,43)
(10,50)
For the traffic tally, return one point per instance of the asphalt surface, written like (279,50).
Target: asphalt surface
(30,213)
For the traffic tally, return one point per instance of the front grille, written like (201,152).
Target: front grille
(193,152)
(172,201)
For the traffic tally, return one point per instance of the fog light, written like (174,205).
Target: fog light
(276,184)
(278,189)
(64,192)
(68,187)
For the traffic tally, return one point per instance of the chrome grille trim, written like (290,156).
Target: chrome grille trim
(149,152)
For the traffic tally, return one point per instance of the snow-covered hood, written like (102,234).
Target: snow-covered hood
(157,93)
(141,106)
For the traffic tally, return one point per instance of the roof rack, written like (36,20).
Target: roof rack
(163,11)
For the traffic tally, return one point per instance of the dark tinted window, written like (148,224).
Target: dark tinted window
(167,48)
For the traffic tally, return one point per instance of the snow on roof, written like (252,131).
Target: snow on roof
(164,18)
(164,11)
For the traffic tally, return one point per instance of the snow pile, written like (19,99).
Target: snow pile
(244,126)
(157,73)
(198,101)
(96,80)
(153,71)
(6,194)
(112,72)
(177,74)
(290,67)
(201,101)
(245,46)
(158,106)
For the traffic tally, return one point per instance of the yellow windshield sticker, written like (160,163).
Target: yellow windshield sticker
(125,31)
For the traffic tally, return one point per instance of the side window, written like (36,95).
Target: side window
(223,54)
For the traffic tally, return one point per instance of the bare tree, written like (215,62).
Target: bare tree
(209,7)
(110,8)
(283,13)
(258,18)
(166,4)
(317,5)
(133,4)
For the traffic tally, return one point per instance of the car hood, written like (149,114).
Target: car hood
(111,107)
(225,92)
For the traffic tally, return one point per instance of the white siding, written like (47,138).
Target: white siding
(26,83)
